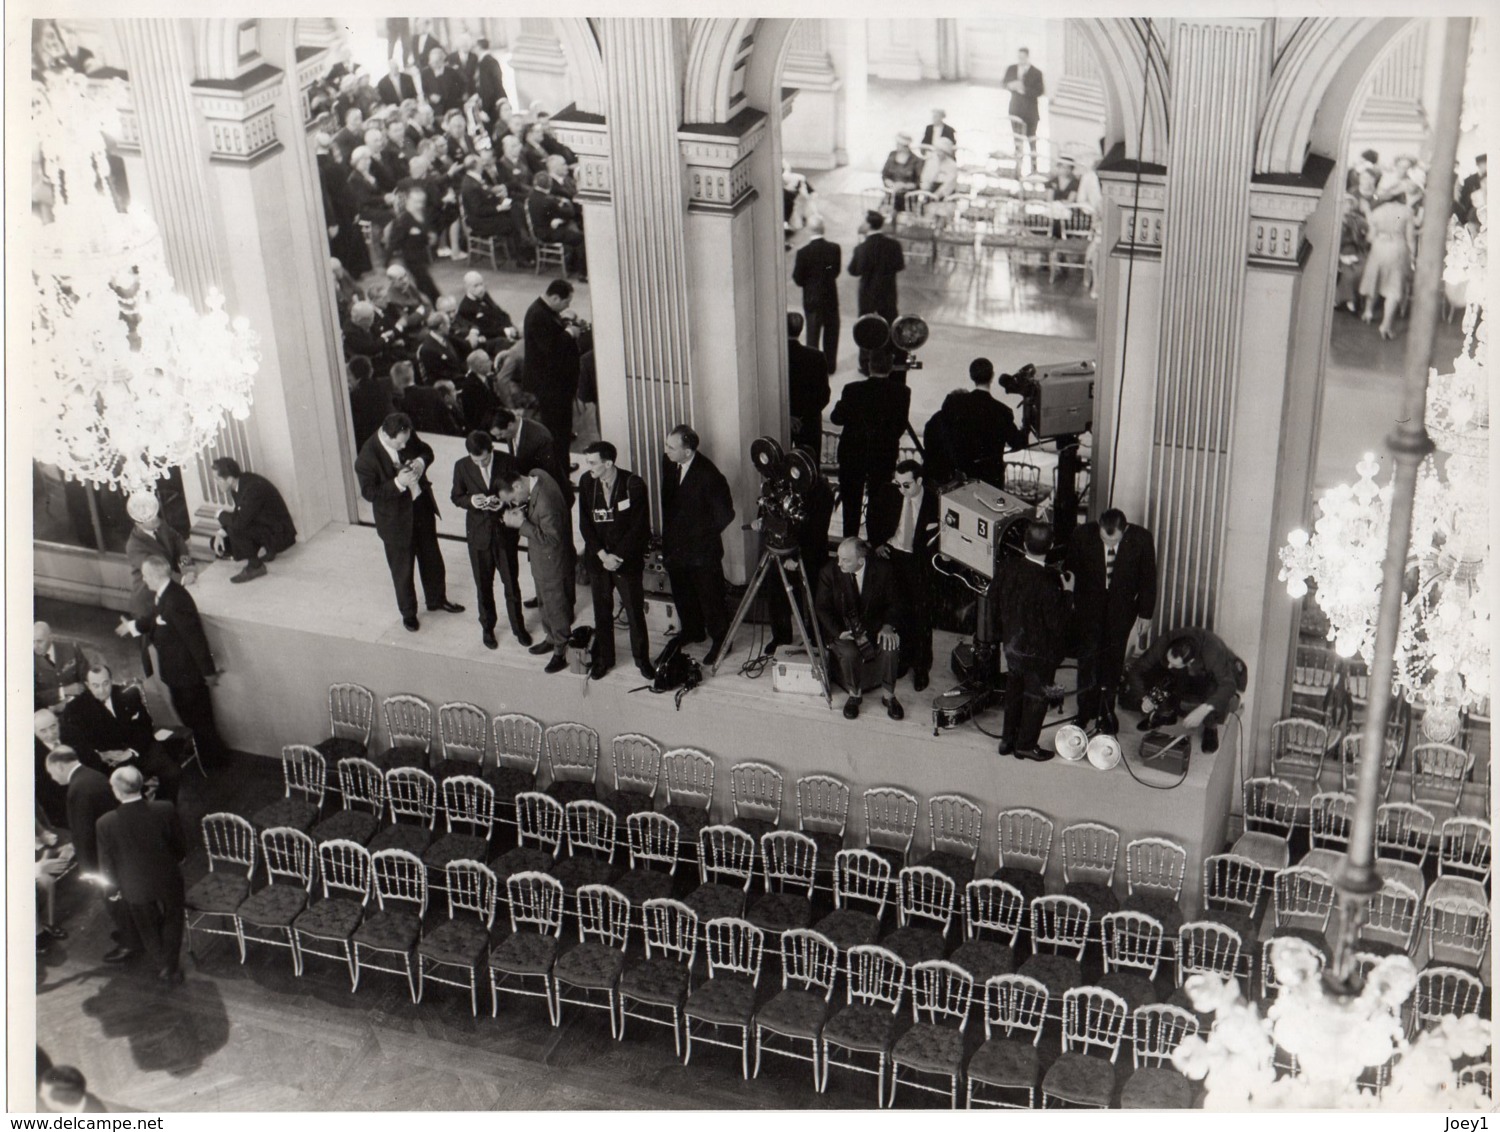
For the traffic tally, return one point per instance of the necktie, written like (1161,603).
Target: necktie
(1109,563)
(906,532)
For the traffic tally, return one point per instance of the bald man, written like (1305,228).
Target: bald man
(858,604)
(140,848)
(816,270)
(58,667)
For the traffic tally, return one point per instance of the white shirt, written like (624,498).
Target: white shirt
(134,632)
(415,489)
(905,537)
(683,467)
(859,578)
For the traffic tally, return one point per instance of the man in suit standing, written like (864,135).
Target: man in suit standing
(492,545)
(876,260)
(528,442)
(392,472)
(816,270)
(872,414)
(614,516)
(187,666)
(1115,567)
(536,506)
(938,128)
(369,398)
(256,526)
(443,85)
(58,667)
(903,527)
(489,83)
(550,371)
(973,430)
(859,607)
(140,847)
(1025,85)
(474,394)
(807,388)
(396,86)
(109,727)
(411,242)
(696,509)
(1032,608)
(88,799)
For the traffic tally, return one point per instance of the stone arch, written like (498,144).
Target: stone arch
(1121,47)
(718,50)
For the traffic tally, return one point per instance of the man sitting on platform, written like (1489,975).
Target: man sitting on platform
(1190,678)
(256,526)
(859,606)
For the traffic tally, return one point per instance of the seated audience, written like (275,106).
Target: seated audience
(902,171)
(58,667)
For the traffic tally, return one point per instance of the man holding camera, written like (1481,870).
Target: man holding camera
(1115,564)
(614,516)
(536,506)
(493,546)
(903,526)
(1189,678)
(859,607)
(1032,606)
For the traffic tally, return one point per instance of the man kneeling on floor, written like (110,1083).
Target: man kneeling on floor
(1190,678)
(256,526)
(859,606)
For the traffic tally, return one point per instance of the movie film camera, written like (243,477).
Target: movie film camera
(786,481)
(892,346)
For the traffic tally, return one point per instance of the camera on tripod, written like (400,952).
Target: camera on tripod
(1055,401)
(892,345)
(786,482)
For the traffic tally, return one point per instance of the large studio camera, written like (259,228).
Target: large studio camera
(786,483)
(1055,401)
(892,345)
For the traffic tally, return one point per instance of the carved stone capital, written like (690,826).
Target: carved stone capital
(240,115)
(718,161)
(312,64)
(1278,220)
(587,135)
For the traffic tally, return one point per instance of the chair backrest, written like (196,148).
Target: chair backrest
(1442,991)
(861,878)
(637,764)
(1392,915)
(535,899)
(1403,831)
(791,861)
(1458,929)
(653,839)
(1090,851)
(1349,753)
(1156,1032)
(408,721)
(399,877)
(412,793)
(1015,1002)
(1132,942)
(351,712)
(591,827)
(915,206)
(1439,771)
(1317,667)
(755,790)
(344,865)
(304,771)
(822,804)
(230,840)
(1025,839)
(1232,882)
(472,887)
(518,741)
(1093,1017)
(1155,866)
(993,905)
(469,801)
(1330,816)
(464,731)
(289,855)
(539,820)
(671,930)
(941,992)
(926,894)
(1304,898)
(361,785)
(572,752)
(1271,806)
(1298,747)
(890,819)
(956,824)
(603,915)
(809,961)
(876,976)
(1207,947)
(734,947)
(1464,849)
(690,778)
(1060,922)
(726,856)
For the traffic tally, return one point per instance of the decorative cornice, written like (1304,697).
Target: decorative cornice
(588,137)
(240,115)
(718,161)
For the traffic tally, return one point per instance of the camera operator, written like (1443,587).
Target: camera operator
(614,517)
(903,526)
(812,555)
(1190,678)
(1031,602)
(973,430)
(872,413)
(859,607)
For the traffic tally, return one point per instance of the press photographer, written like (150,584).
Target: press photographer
(1191,679)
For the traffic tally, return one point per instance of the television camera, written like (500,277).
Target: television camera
(1057,403)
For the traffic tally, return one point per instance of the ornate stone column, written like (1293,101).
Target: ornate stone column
(540,67)
(813,135)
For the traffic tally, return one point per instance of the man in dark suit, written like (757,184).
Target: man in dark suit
(872,414)
(1190,678)
(807,388)
(529,443)
(257,526)
(367,336)
(479,309)
(550,372)
(938,128)
(535,506)
(487,209)
(411,242)
(140,847)
(396,86)
(973,430)
(859,607)
(109,727)
(444,85)
(438,358)
(465,60)
(1115,567)
(614,516)
(369,398)
(489,82)
(88,799)
(1031,606)
(903,528)
(1025,85)
(187,666)
(816,270)
(554,220)
(696,509)
(58,667)
(493,547)
(51,797)
(474,394)
(392,472)
(876,260)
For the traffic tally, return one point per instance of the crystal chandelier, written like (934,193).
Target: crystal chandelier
(129,379)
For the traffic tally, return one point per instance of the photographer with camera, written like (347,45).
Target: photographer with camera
(810,537)
(493,547)
(859,607)
(872,414)
(1031,603)
(1189,678)
(903,526)
(614,516)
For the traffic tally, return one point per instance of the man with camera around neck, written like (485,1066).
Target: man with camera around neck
(614,517)
(859,606)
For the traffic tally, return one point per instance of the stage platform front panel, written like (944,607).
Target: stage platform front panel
(326,613)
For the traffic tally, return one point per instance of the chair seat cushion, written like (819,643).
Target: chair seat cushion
(915,945)
(460,943)
(1100,898)
(1237,922)
(828,845)
(591,965)
(525,953)
(275,906)
(1157,1088)
(389,931)
(795,1013)
(778,911)
(692,820)
(348,825)
(727,999)
(295,812)
(930,1048)
(861,1026)
(508,781)
(453,847)
(961,869)
(1080,1079)
(412,838)
(846,927)
(567,791)
(1055,972)
(984,958)
(1031,884)
(452,768)
(574,872)
(660,981)
(641,885)
(1382,947)
(1006,1063)
(755,827)
(712,901)
(335,918)
(392,757)
(1136,990)
(1310,935)
(521,859)
(333,749)
(1158,906)
(1264,849)
(218,892)
(627,802)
